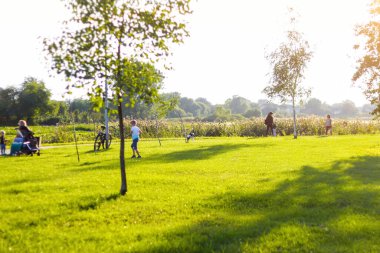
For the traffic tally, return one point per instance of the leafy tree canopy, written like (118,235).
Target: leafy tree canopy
(368,68)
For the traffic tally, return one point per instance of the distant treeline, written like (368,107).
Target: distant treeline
(239,107)
(32,102)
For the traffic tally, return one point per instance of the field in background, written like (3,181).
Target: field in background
(311,126)
(313,194)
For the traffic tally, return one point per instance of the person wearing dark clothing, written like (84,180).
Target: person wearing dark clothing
(24,130)
(269,123)
(2,142)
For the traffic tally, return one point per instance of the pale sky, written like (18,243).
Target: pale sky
(224,55)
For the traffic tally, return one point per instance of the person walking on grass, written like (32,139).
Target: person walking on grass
(2,142)
(328,125)
(269,123)
(135,132)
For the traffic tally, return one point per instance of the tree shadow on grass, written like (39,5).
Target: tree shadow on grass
(97,151)
(311,213)
(93,202)
(87,203)
(201,153)
(87,163)
(109,167)
(21,181)
(365,169)
(106,164)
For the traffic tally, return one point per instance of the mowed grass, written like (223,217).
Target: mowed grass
(313,194)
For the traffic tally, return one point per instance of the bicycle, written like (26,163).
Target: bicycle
(100,140)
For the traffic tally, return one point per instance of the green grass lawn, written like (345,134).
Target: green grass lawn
(313,194)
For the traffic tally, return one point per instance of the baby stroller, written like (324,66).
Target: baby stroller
(26,146)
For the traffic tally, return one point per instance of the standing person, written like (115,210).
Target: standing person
(135,132)
(269,123)
(328,125)
(2,142)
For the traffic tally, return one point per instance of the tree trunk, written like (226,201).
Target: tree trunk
(123,188)
(106,114)
(294,120)
(157,134)
(76,142)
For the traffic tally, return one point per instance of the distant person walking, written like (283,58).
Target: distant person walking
(328,125)
(2,142)
(135,132)
(269,123)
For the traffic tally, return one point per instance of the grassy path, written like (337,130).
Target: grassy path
(314,194)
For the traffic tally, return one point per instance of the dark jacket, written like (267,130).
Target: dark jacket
(269,120)
(26,132)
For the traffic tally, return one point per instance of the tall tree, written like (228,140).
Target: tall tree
(80,104)
(221,113)
(118,41)
(33,99)
(368,69)
(8,104)
(315,106)
(190,106)
(161,109)
(207,107)
(237,104)
(345,109)
(288,63)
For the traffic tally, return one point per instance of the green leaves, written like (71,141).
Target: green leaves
(368,65)
(288,65)
(108,38)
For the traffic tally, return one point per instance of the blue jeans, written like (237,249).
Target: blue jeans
(134,143)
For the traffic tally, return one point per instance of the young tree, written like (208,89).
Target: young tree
(368,69)
(161,108)
(288,63)
(118,41)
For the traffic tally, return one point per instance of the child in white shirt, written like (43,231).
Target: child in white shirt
(135,132)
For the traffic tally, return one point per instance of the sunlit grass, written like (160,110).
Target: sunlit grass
(313,194)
